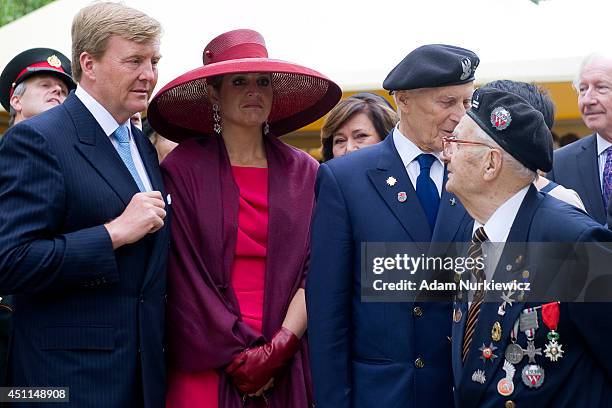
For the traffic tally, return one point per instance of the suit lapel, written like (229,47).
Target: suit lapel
(588,171)
(98,150)
(409,212)
(149,159)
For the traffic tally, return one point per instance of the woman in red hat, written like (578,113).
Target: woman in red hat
(241,206)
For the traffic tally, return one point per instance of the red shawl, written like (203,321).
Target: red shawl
(204,326)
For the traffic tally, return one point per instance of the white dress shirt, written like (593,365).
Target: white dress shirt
(602,145)
(409,152)
(109,125)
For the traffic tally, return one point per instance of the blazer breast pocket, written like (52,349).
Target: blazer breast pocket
(77,338)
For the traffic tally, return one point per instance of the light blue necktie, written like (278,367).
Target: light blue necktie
(122,136)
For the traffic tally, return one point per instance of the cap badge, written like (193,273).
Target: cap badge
(466,66)
(54,61)
(500,118)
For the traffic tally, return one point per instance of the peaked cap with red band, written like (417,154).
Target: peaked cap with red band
(181,109)
(32,62)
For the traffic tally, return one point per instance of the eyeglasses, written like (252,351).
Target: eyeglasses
(448,144)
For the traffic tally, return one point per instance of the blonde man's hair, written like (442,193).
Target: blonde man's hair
(95,24)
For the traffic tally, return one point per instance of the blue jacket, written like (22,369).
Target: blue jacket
(374,354)
(583,376)
(85,316)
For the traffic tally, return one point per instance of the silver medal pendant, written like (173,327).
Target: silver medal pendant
(514,353)
(532,351)
(533,376)
(553,350)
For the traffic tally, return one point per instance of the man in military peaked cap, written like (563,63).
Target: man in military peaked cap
(388,354)
(515,349)
(34,81)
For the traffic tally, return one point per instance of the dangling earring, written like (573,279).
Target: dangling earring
(217,126)
(266,128)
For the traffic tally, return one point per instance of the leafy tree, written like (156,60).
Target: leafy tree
(11,10)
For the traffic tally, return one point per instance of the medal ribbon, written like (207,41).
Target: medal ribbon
(530,331)
(550,315)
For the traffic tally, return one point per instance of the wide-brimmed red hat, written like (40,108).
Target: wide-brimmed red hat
(181,109)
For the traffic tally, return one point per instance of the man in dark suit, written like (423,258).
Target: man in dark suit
(380,353)
(522,347)
(32,82)
(82,237)
(586,165)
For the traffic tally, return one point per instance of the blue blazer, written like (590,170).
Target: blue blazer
(86,316)
(374,354)
(576,166)
(583,376)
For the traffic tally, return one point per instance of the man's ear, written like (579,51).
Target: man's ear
(15,102)
(402,99)
(87,65)
(493,164)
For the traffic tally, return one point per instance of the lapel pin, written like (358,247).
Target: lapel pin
(487,352)
(169,199)
(453,201)
(479,377)
(496,332)
(391,181)
(401,196)
(508,267)
(457,315)
(506,301)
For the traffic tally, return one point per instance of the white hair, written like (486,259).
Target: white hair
(18,91)
(586,61)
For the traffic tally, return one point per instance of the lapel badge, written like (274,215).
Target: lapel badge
(457,315)
(505,386)
(496,332)
(54,61)
(487,352)
(508,267)
(533,376)
(479,377)
(453,201)
(525,274)
(401,196)
(500,118)
(466,68)
(506,301)
(391,181)
(518,259)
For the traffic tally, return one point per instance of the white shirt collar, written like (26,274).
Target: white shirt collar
(99,112)
(602,145)
(407,150)
(499,224)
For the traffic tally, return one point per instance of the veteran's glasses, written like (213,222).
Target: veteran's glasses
(448,143)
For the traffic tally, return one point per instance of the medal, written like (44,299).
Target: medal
(479,377)
(487,353)
(550,317)
(452,201)
(391,181)
(505,386)
(533,376)
(496,332)
(506,301)
(401,196)
(532,351)
(514,352)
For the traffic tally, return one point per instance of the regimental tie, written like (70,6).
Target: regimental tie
(607,178)
(474,251)
(426,189)
(122,136)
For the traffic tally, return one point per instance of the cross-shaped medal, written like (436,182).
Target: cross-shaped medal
(531,351)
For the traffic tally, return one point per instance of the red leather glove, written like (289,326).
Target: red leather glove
(254,367)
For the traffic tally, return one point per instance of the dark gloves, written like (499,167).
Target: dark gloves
(254,367)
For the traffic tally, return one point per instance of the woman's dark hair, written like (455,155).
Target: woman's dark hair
(377,108)
(536,96)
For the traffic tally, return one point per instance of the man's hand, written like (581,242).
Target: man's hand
(144,215)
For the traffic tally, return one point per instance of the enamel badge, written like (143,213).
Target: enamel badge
(500,118)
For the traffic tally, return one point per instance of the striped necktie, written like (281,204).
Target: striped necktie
(122,136)
(474,251)
(607,178)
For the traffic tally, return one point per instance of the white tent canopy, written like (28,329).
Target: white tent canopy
(356,43)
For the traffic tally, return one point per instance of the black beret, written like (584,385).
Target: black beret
(515,125)
(433,66)
(31,62)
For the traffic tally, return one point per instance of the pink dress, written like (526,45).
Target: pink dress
(200,390)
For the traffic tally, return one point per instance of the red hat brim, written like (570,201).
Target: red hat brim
(181,109)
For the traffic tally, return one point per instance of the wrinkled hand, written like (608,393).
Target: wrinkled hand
(252,369)
(144,215)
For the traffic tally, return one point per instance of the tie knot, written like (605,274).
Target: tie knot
(480,236)
(122,135)
(425,161)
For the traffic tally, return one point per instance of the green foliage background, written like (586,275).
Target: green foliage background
(11,10)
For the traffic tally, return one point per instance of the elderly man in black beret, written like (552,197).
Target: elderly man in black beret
(34,81)
(385,354)
(522,348)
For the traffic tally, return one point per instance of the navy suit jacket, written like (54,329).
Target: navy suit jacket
(366,354)
(582,377)
(576,166)
(86,316)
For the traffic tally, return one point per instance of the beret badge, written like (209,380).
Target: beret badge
(466,67)
(54,61)
(500,118)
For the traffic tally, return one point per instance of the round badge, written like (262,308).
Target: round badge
(54,61)
(401,196)
(533,376)
(514,353)
(500,118)
(505,387)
